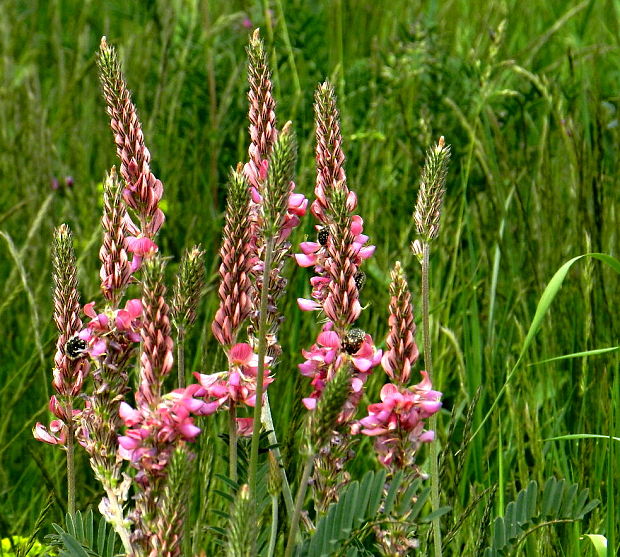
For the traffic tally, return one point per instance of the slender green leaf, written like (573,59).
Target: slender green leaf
(595,352)
(599,542)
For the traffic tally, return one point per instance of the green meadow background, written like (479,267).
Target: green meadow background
(527,95)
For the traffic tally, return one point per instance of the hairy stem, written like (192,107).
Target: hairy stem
(232,442)
(428,364)
(181,356)
(71,467)
(119,521)
(299,502)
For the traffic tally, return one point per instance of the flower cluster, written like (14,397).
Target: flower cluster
(329,354)
(70,369)
(237,385)
(125,323)
(316,254)
(154,433)
(397,422)
(336,256)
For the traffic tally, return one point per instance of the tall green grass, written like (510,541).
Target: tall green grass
(526,94)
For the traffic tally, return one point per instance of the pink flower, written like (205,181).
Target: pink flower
(316,254)
(245,426)
(397,422)
(153,433)
(327,355)
(125,321)
(55,435)
(239,383)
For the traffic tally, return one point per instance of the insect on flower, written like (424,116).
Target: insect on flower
(323,235)
(75,347)
(353,340)
(360,280)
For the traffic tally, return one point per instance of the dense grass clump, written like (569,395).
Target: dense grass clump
(526,95)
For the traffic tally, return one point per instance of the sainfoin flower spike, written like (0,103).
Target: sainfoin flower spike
(70,364)
(143,190)
(237,261)
(397,422)
(336,256)
(116,269)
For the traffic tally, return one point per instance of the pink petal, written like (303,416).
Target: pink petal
(241,353)
(98,348)
(427,437)
(309,247)
(89,310)
(309,403)
(305,260)
(329,339)
(307,305)
(357,225)
(129,415)
(134,307)
(128,443)
(40,433)
(245,426)
(367,252)
(189,430)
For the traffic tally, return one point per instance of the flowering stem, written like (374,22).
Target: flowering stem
(273,537)
(181,356)
(260,373)
(428,364)
(299,501)
(70,467)
(118,520)
(273,440)
(232,441)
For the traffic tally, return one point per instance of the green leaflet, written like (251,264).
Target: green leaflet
(559,502)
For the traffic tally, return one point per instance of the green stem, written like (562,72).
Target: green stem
(273,441)
(260,373)
(181,356)
(232,441)
(273,538)
(299,501)
(70,467)
(428,364)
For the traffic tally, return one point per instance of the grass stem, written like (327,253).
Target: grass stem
(428,364)
(260,373)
